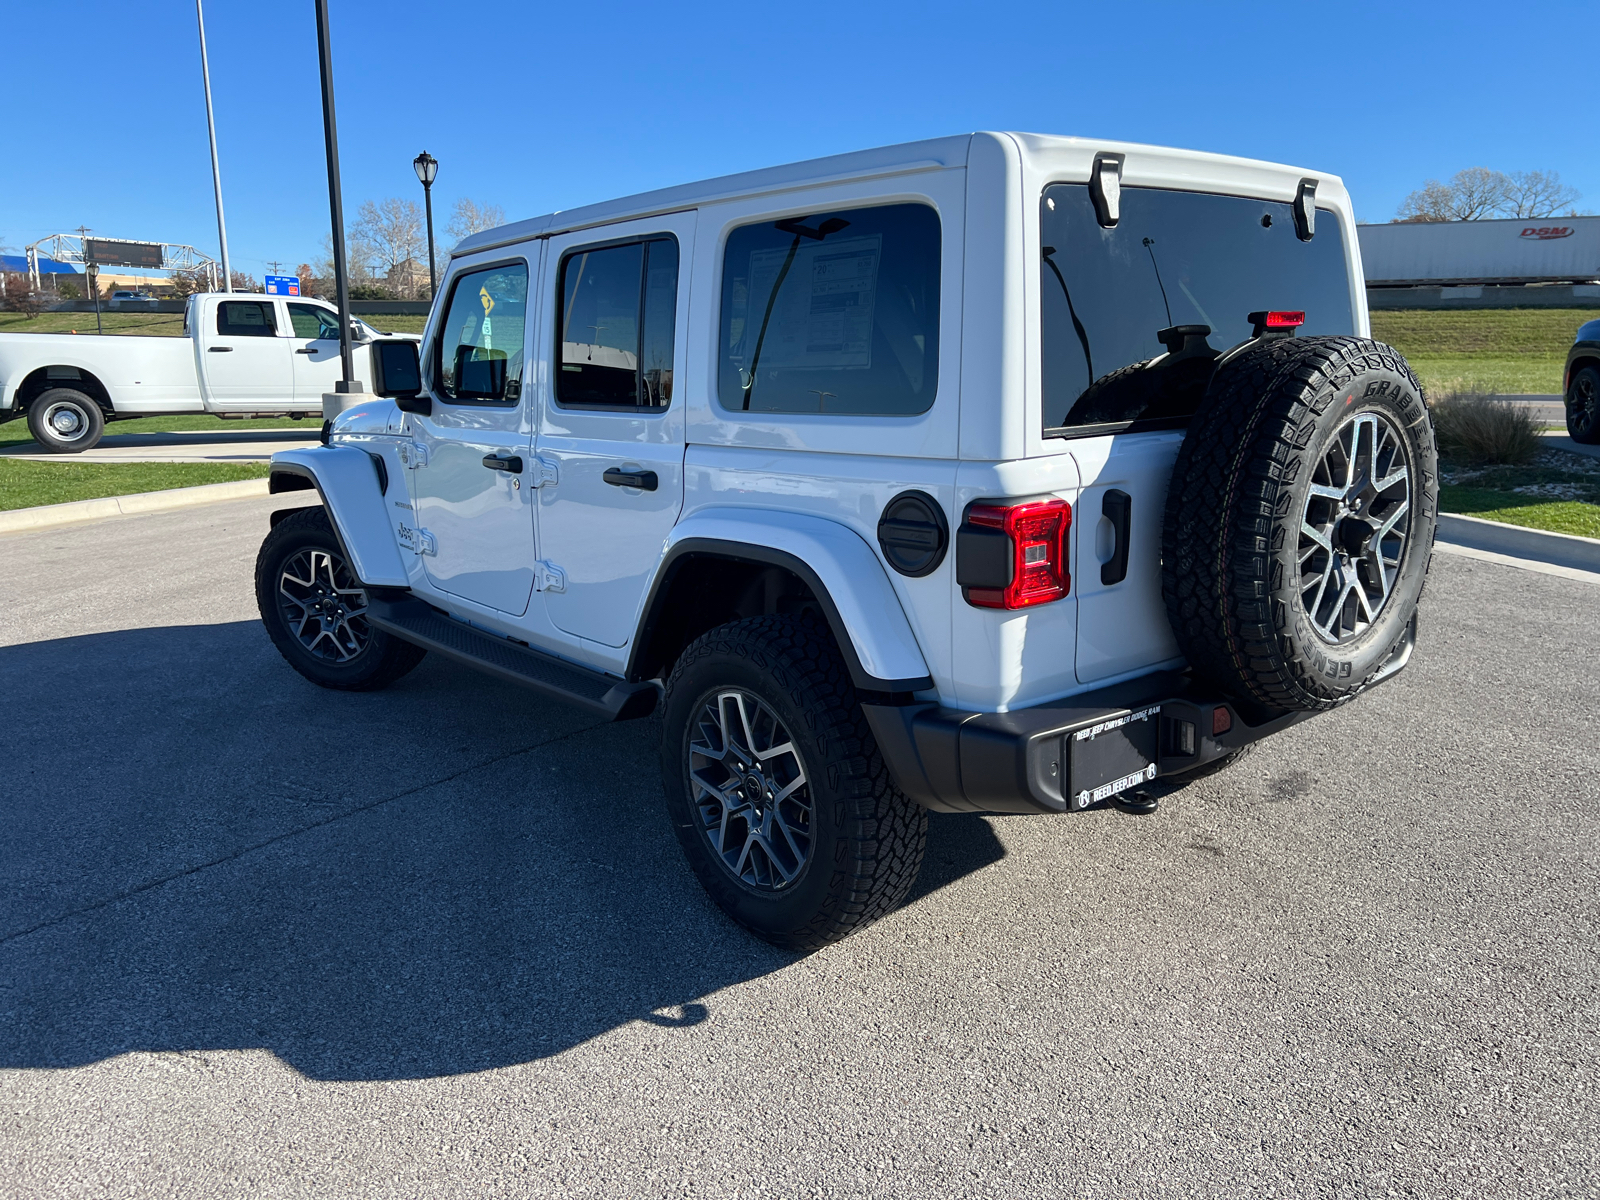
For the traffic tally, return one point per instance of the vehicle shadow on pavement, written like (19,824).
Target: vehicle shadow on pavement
(205,852)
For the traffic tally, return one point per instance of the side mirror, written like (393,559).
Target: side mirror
(397,375)
(357,333)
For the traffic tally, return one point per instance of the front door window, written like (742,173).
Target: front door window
(476,507)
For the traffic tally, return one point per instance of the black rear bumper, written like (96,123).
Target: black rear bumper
(1064,755)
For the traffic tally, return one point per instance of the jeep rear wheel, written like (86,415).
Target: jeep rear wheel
(65,421)
(776,789)
(1300,520)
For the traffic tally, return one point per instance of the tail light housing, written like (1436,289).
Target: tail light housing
(1014,555)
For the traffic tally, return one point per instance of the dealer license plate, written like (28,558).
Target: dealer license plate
(1112,756)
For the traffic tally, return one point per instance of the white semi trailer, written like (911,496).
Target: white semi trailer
(1448,253)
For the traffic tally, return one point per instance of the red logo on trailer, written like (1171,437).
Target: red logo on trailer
(1545,233)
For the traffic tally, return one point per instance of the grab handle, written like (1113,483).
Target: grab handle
(1117,507)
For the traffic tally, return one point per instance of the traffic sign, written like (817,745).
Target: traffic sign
(283,285)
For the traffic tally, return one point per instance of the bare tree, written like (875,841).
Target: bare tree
(1478,193)
(241,282)
(469,217)
(392,230)
(1433,201)
(1538,194)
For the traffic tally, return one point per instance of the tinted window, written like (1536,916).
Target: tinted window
(246,318)
(480,343)
(617,320)
(834,312)
(309,321)
(1173,259)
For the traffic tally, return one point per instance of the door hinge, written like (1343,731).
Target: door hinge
(413,454)
(418,541)
(547,577)
(545,472)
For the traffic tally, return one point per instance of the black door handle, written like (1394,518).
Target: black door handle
(1117,508)
(306,350)
(510,463)
(221,349)
(617,477)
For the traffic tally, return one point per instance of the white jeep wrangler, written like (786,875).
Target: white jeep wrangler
(994,473)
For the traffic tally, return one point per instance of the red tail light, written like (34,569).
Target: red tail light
(1285,320)
(1014,555)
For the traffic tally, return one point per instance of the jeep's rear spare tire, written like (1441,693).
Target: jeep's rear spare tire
(1300,519)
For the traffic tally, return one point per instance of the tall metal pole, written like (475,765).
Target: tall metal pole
(433,279)
(216,171)
(341,273)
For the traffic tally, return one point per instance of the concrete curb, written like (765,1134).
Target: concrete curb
(1558,549)
(20,519)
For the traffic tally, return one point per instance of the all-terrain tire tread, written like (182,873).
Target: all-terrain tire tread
(878,857)
(1232,477)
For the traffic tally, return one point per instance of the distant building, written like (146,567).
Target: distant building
(18,264)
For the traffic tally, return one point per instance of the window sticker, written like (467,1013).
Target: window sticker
(822,316)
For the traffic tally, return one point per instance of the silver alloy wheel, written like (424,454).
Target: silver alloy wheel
(65,421)
(748,785)
(1355,528)
(324,605)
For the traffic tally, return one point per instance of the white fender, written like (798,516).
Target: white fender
(847,575)
(348,481)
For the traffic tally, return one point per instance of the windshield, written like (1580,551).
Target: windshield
(1185,263)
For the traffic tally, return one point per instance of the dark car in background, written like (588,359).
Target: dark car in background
(1582,380)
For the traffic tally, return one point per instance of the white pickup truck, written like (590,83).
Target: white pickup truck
(241,355)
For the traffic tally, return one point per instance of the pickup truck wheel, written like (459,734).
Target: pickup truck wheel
(314,609)
(1583,406)
(65,421)
(776,789)
(1300,520)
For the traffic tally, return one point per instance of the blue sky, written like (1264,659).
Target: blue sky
(538,107)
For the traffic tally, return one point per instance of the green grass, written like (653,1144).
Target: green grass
(114,321)
(27,484)
(1554,516)
(15,432)
(1503,350)
(1559,492)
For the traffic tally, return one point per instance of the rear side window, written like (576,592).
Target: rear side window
(1173,259)
(834,312)
(309,321)
(617,320)
(247,318)
(479,352)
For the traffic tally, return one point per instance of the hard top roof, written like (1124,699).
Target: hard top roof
(1044,150)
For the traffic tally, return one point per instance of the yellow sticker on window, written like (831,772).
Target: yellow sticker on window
(488,300)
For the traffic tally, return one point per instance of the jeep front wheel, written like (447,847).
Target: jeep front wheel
(315,609)
(776,789)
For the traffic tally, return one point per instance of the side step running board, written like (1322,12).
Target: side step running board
(592,691)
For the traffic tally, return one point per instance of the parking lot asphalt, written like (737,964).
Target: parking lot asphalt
(263,939)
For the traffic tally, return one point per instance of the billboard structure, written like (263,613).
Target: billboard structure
(109,252)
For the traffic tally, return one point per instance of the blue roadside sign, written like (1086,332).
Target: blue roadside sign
(283,285)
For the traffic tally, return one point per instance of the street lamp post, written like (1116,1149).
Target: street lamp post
(216,171)
(348,384)
(427,166)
